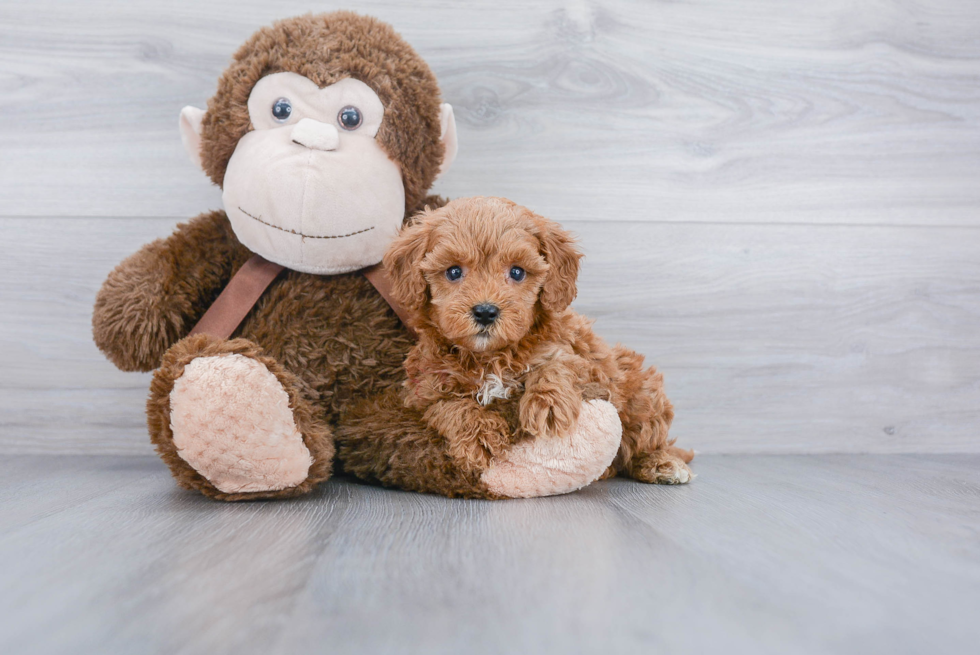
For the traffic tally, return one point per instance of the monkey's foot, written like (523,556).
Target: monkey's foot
(547,467)
(230,423)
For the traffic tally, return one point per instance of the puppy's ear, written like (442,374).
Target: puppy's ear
(558,249)
(403,262)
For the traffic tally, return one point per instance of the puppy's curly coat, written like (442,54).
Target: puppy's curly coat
(488,284)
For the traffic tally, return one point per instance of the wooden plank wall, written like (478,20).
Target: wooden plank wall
(780,202)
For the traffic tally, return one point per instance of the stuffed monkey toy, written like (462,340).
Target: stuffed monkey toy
(265,321)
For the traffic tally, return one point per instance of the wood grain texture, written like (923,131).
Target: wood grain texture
(760,554)
(834,112)
(772,338)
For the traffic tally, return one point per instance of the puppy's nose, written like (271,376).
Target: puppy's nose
(485,314)
(315,135)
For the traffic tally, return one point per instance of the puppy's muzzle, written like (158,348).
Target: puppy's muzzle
(485,314)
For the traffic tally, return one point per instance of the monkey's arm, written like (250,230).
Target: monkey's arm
(156,295)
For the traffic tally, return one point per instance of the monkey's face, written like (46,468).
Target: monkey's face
(309,187)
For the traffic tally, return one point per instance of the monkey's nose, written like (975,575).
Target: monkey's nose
(316,135)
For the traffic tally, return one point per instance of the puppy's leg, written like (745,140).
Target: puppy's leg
(646,453)
(552,398)
(473,434)
(660,467)
(381,440)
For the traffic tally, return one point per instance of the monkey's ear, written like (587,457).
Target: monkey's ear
(448,136)
(191,119)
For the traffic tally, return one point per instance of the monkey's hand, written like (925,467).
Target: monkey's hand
(155,296)
(474,435)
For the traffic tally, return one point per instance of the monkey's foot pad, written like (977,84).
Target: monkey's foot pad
(232,423)
(547,467)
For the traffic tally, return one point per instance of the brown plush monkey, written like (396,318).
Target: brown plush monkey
(325,134)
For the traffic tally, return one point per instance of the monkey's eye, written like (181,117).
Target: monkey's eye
(517,273)
(349,118)
(282,109)
(453,273)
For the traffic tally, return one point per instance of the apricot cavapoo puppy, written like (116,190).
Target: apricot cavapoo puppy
(488,284)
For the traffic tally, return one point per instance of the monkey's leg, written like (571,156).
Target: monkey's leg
(382,441)
(560,464)
(231,423)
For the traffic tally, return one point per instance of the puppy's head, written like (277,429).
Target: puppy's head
(482,271)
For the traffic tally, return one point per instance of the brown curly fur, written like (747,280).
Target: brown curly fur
(536,346)
(327,48)
(382,441)
(328,339)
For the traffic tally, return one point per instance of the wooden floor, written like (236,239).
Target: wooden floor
(761,554)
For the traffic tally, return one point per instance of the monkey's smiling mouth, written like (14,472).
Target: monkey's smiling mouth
(305,236)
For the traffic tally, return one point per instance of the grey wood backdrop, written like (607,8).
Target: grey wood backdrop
(779,201)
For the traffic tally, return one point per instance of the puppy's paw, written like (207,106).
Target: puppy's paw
(549,413)
(469,454)
(666,469)
(475,444)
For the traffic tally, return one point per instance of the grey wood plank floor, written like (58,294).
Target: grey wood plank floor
(762,553)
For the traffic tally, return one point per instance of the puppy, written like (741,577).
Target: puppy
(487,284)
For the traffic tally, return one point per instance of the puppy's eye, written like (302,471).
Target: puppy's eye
(349,118)
(282,109)
(453,273)
(517,273)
